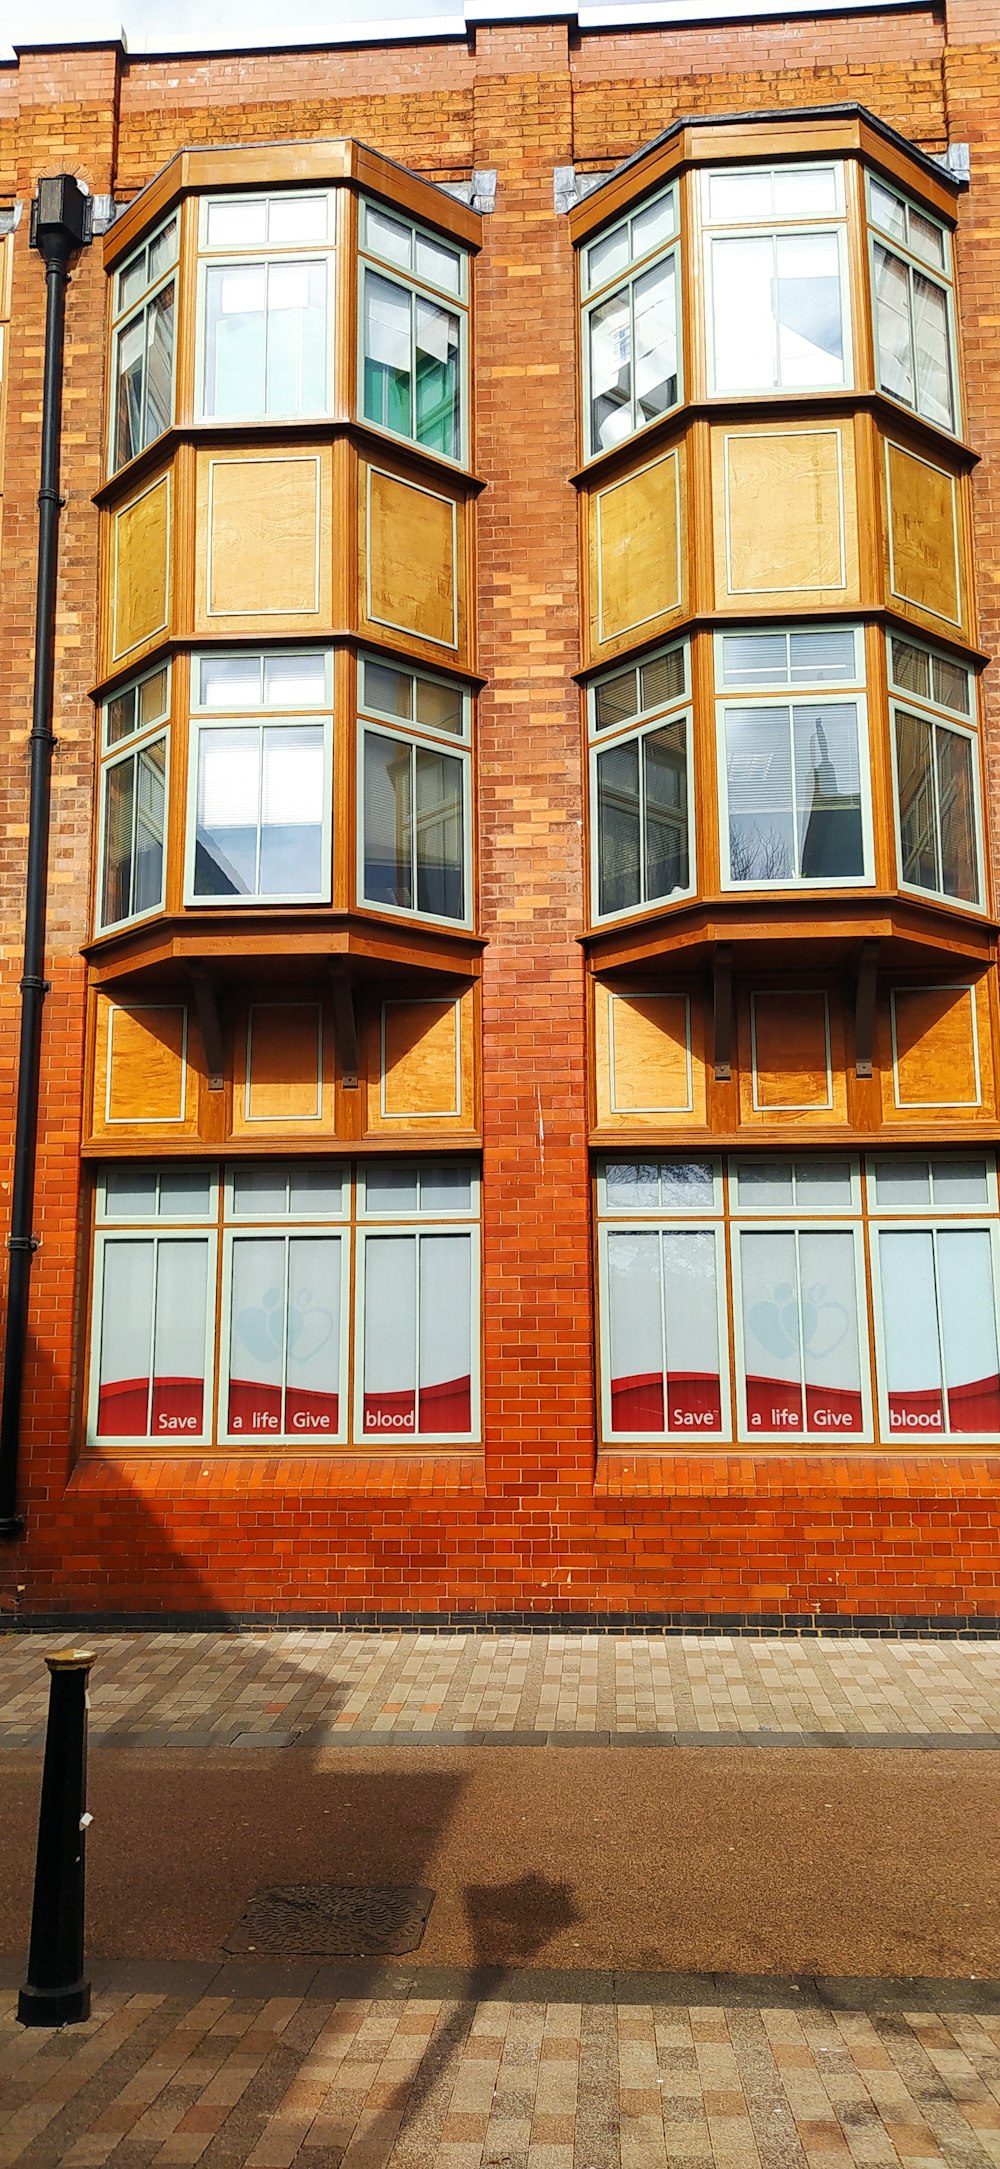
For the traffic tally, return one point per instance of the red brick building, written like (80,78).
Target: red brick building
(520,1078)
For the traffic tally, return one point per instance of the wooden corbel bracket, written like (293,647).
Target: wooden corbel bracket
(864,1008)
(206,1002)
(345,1025)
(722,1011)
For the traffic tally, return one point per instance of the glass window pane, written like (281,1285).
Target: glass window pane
(805,192)
(445,1359)
(635,1332)
(823,1185)
(887,211)
(130,1193)
(904,1185)
(960,1182)
(662,679)
(120,716)
(611,371)
(762,840)
(178,1397)
(150,827)
(910,1331)
(619,843)
(292,807)
(126,1340)
(653,224)
(445,1186)
(632,1185)
(828,792)
(296,339)
(439,707)
(957,814)
(294,681)
(439,265)
(390,1187)
(235,317)
(667,864)
(387,357)
(911,668)
(314,1189)
(608,256)
(228,813)
(917,825)
(765,1182)
(744,329)
(926,239)
(743,193)
(119,827)
(892,325)
(616,700)
(438,347)
(260,1190)
(932,351)
(808,309)
(769,1298)
(159,401)
(388,690)
(130,363)
(389,1398)
(388,237)
(440,834)
(691,1317)
(829,1313)
(229,681)
(388,824)
(133,279)
(152,698)
(687,1185)
(969,1328)
(951,684)
(256,1335)
(312,1374)
(185,1193)
(655,308)
(293,220)
(754,658)
(234,224)
(822,658)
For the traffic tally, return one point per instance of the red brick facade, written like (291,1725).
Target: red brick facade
(537,1526)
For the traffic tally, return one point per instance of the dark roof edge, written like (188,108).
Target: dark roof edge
(786,113)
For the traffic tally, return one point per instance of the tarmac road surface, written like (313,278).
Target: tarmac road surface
(739,1860)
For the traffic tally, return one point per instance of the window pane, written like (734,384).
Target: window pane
(917,828)
(829,1312)
(445,1186)
(119,821)
(150,828)
(257,1323)
(687,1185)
(762,843)
(892,325)
(635,1332)
(754,658)
(902,1184)
(632,1185)
(158,410)
(926,239)
(608,256)
(152,698)
(765,1182)
(932,351)
(260,1190)
(747,192)
(655,305)
(911,668)
(809,192)
(887,211)
(770,1311)
(439,707)
(959,872)
(662,679)
(389,1399)
(178,1399)
(388,822)
(611,371)
(821,658)
(292,220)
(387,355)
(951,684)
(388,237)
(445,1370)
(185,1193)
(969,1329)
(130,1193)
(440,853)
(120,716)
(616,700)
(390,1187)
(229,681)
(653,224)
(131,353)
(666,826)
(294,681)
(440,266)
(619,847)
(743,320)
(828,792)
(808,309)
(292,806)
(312,1375)
(691,1314)
(126,1338)
(232,224)
(437,358)
(314,1190)
(388,690)
(960,1182)
(228,813)
(823,1185)
(296,339)
(235,314)
(133,279)
(910,1330)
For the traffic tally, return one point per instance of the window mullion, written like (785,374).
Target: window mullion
(151,1380)
(259,846)
(660,1233)
(284,1334)
(797,1232)
(417,1426)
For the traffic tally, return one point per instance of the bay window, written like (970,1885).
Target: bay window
(296,1247)
(913,305)
(936,771)
(413,331)
(793,1255)
(260,779)
(794,790)
(266,298)
(631,288)
(414,814)
(133,800)
(776,276)
(641,817)
(142,344)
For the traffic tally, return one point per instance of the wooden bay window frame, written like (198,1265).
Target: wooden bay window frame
(783,228)
(650,245)
(663,706)
(155,264)
(414,280)
(912,710)
(135,724)
(897,226)
(260,717)
(416,731)
(265,256)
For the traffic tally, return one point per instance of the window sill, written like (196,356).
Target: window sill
(748,1473)
(256,937)
(347,1474)
(769,931)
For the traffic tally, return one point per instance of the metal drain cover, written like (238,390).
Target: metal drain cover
(332,1920)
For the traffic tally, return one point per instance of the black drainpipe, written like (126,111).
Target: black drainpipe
(61,224)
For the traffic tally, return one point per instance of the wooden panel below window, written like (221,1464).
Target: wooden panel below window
(143,1077)
(647,1070)
(410,558)
(140,570)
(923,535)
(785,514)
(283,1081)
(636,550)
(791,1061)
(936,1048)
(421,1063)
(260,555)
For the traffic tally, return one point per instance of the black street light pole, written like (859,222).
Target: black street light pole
(61,224)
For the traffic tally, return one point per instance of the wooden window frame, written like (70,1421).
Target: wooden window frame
(249,717)
(413,284)
(123,317)
(937,716)
(414,735)
(772,228)
(593,297)
(110,756)
(254,256)
(942,276)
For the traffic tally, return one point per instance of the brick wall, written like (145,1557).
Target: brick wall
(719,1535)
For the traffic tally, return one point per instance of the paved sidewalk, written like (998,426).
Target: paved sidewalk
(269,2079)
(271,1687)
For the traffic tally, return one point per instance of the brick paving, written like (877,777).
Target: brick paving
(160,2080)
(313,1685)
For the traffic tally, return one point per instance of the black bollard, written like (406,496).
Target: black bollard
(55,1993)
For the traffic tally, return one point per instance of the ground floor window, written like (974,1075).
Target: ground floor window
(286,1301)
(813,1297)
